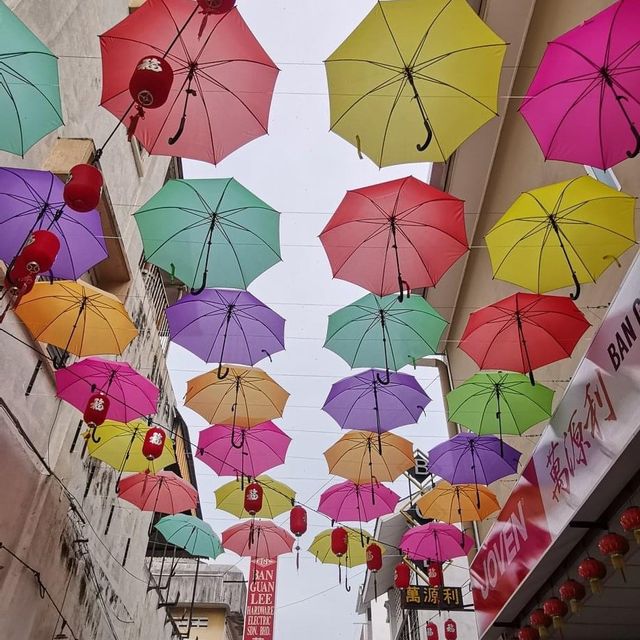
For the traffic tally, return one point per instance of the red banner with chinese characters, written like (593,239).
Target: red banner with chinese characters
(261,599)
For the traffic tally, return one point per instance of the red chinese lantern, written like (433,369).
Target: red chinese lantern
(557,609)
(298,521)
(630,521)
(339,541)
(541,621)
(18,281)
(402,576)
(432,631)
(151,82)
(96,410)
(153,444)
(573,592)
(83,188)
(615,546)
(434,574)
(216,6)
(40,251)
(374,557)
(253,494)
(528,633)
(594,571)
(450,629)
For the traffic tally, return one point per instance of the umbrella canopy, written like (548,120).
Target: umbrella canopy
(352,502)
(562,234)
(120,446)
(395,236)
(209,233)
(191,534)
(76,317)
(583,103)
(523,332)
(257,539)
(356,457)
(384,332)
(32,200)
(246,397)
(223,79)
(458,503)
(435,541)
(262,448)
(413,70)
(30,99)
(223,324)
(498,402)
(131,395)
(468,458)
(356,554)
(163,492)
(278,498)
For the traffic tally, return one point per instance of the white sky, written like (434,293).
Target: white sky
(303,171)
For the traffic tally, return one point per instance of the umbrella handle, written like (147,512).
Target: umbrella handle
(220,374)
(242,439)
(403,285)
(576,294)
(423,147)
(384,381)
(199,290)
(173,139)
(93,436)
(636,135)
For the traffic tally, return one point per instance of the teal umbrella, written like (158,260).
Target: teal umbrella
(191,534)
(384,332)
(29,86)
(209,233)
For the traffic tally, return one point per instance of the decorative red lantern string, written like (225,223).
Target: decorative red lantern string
(435,574)
(432,631)
(153,444)
(594,571)
(450,629)
(339,548)
(630,521)
(614,546)
(95,413)
(541,621)
(528,633)
(556,609)
(572,592)
(298,527)
(402,576)
(374,563)
(83,189)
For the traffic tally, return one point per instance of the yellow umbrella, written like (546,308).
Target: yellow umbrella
(120,445)
(413,70)
(277,498)
(77,318)
(561,235)
(458,502)
(356,457)
(356,554)
(247,396)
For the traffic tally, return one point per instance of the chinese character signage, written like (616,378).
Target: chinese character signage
(433,598)
(261,596)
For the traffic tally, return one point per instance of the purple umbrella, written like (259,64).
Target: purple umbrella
(435,541)
(472,459)
(262,448)
(353,502)
(31,200)
(362,402)
(226,324)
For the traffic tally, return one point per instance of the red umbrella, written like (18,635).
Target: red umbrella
(222,85)
(163,492)
(257,539)
(523,332)
(395,235)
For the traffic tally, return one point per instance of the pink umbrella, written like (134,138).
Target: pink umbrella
(349,501)
(130,394)
(257,539)
(435,541)
(163,492)
(583,105)
(260,448)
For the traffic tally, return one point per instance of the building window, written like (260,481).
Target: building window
(196,623)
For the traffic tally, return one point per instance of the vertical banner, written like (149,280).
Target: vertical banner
(261,599)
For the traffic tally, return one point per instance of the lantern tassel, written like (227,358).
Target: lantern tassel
(375,587)
(133,122)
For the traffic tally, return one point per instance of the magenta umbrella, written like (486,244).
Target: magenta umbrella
(163,492)
(257,539)
(435,541)
(130,394)
(352,502)
(261,448)
(583,104)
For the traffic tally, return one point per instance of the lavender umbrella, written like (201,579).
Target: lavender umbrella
(226,324)
(353,502)
(31,200)
(362,402)
(435,541)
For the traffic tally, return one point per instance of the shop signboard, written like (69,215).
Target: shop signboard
(261,596)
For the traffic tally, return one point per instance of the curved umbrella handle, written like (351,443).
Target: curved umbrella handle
(203,286)
(174,138)
(636,135)
(384,381)
(423,147)
(220,374)
(242,438)
(576,294)
(403,285)
(93,436)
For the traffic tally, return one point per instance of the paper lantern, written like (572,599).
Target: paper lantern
(402,576)
(96,410)
(434,574)
(151,82)
(541,621)
(630,521)
(557,609)
(253,495)
(432,631)
(83,189)
(615,546)
(594,571)
(528,633)
(339,541)
(572,592)
(298,521)
(153,444)
(216,6)
(374,557)
(450,630)
(18,281)
(40,251)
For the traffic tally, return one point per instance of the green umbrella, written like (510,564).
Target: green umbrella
(383,332)
(29,86)
(498,402)
(191,534)
(209,233)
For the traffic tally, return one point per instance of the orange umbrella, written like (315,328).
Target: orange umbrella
(458,502)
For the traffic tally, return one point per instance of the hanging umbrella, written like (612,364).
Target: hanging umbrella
(356,555)
(257,539)
(523,332)
(356,457)
(246,397)
(561,235)
(209,233)
(583,104)
(435,541)
(32,200)
(468,458)
(395,236)
(163,492)
(383,332)
(76,317)
(458,503)
(498,402)
(223,324)
(353,502)
(223,79)
(120,446)
(413,70)
(30,96)
(131,395)
(262,447)
(191,534)
(278,498)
